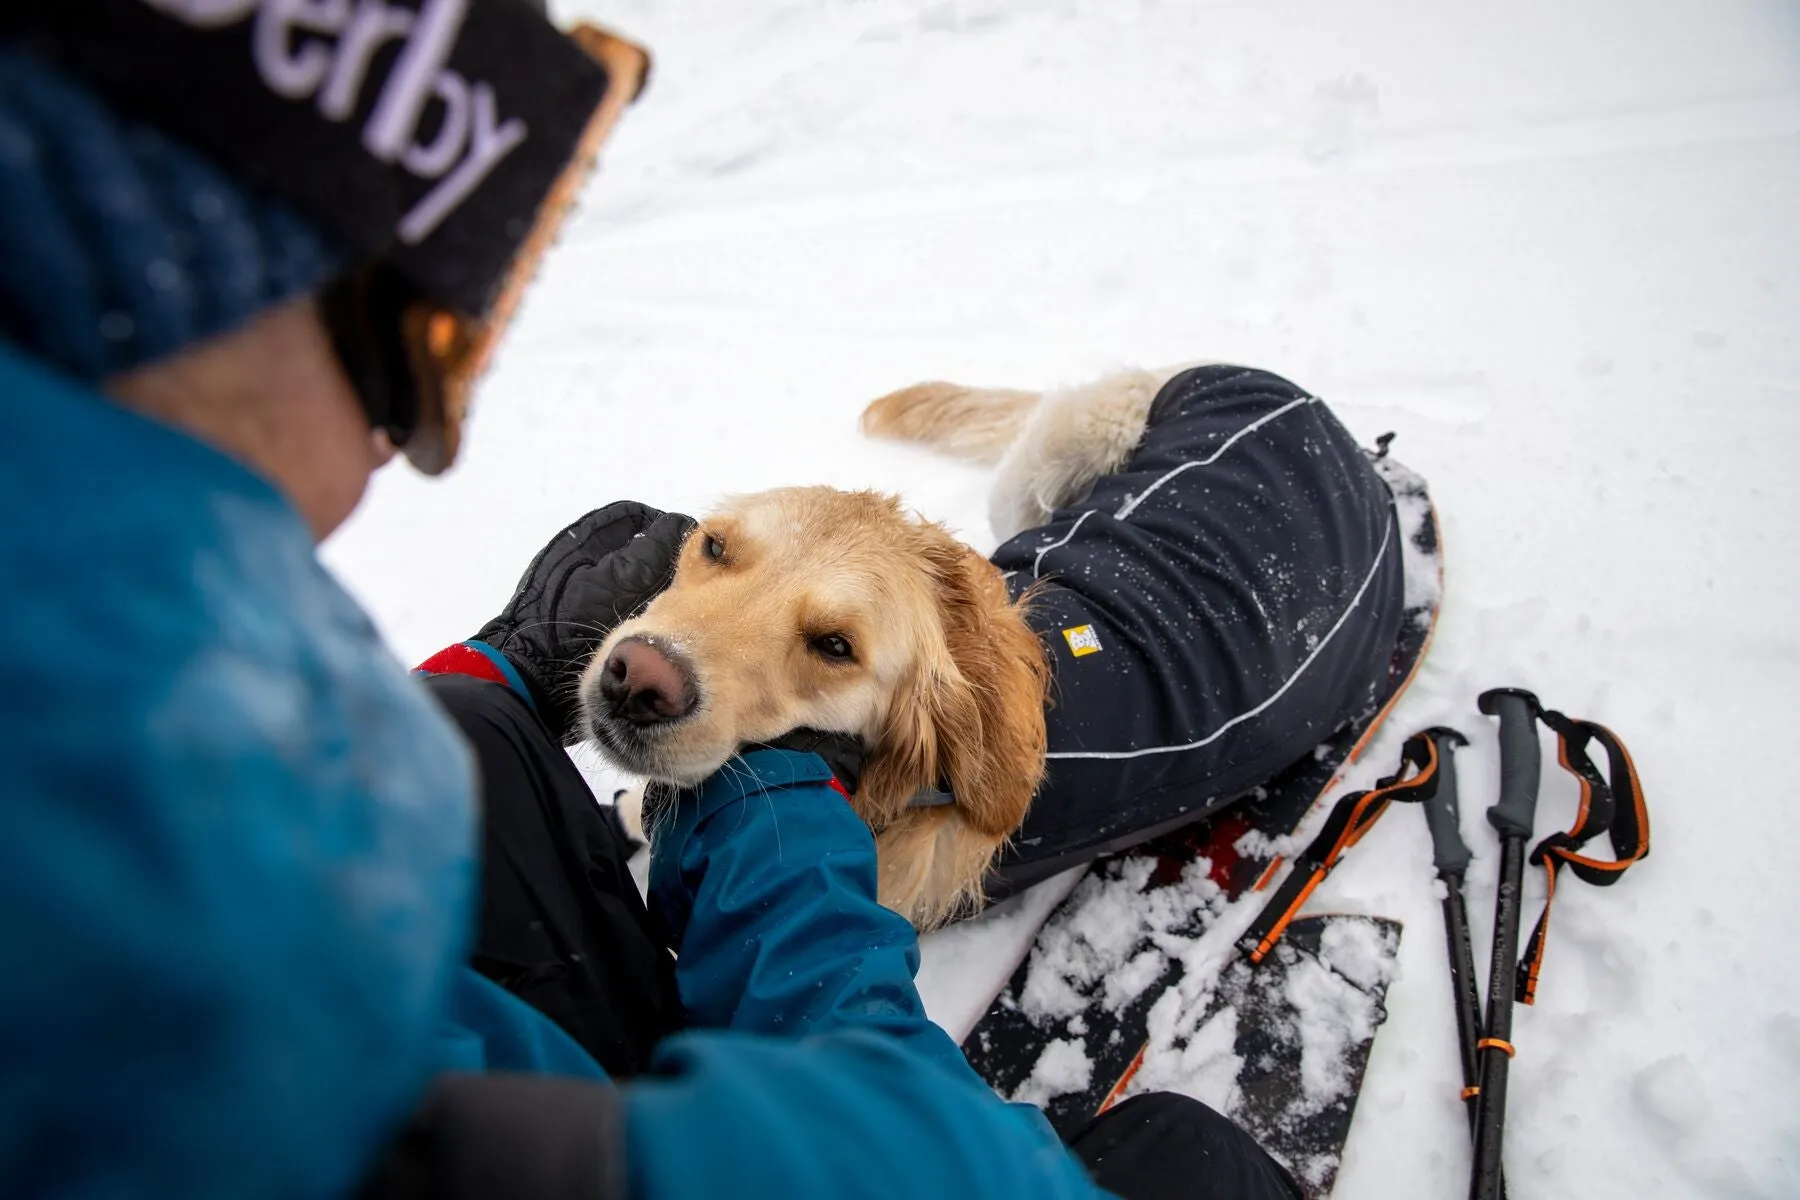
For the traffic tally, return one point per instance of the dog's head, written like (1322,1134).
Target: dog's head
(815,608)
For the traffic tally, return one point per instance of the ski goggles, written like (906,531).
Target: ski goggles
(440,142)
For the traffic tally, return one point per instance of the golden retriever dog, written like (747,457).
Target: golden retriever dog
(810,608)
(813,608)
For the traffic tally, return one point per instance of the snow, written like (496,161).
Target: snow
(1552,244)
(1335,1014)
(1358,954)
(1423,568)
(1205,1066)
(1095,948)
(1062,1067)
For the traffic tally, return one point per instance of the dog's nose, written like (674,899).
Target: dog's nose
(644,684)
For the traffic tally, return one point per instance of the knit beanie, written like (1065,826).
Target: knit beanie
(171,168)
(119,245)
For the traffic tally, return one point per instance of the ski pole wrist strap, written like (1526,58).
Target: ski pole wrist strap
(1612,804)
(1414,781)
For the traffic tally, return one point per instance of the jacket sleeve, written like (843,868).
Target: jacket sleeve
(766,878)
(813,1069)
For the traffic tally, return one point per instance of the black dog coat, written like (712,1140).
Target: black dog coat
(1215,609)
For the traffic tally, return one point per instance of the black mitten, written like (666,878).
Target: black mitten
(592,575)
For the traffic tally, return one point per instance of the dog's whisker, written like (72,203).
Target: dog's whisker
(775,819)
(591,627)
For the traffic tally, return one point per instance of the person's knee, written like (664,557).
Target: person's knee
(1169,1115)
(1161,1144)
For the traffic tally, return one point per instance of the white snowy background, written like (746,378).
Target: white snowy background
(1553,244)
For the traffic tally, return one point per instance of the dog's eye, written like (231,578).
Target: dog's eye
(713,548)
(831,645)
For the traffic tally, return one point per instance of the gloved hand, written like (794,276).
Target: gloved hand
(592,575)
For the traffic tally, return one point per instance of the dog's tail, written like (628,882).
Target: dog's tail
(973,423)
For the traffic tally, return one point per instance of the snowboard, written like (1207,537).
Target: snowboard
(1133,983)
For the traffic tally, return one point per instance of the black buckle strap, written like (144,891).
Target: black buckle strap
(362,312)
(844,753)
(1353,817)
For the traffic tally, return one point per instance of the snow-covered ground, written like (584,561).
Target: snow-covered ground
(1554,244)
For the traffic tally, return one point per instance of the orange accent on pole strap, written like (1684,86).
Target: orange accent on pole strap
(1268,940)
(1495,1044)
(1349,821)
(1118,1089)
(1612,804)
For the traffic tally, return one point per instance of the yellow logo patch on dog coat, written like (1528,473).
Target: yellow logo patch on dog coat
(1082,640)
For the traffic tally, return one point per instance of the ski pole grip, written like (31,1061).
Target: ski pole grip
(1521,760)
(1442,814)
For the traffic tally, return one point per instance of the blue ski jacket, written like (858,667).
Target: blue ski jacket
(236,876)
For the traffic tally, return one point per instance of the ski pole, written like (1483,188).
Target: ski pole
(1451,857)
(1521,764)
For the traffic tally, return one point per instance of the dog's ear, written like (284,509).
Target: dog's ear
(975,719)
(972,717)
(991,715)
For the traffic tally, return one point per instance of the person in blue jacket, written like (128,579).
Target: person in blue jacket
(279,918)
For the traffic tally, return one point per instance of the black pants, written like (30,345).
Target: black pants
(1163,1145)
(563,927)
(562,924)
